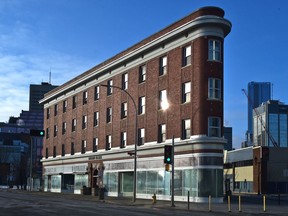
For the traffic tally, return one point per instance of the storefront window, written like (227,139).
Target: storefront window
(56,183)
(81,181)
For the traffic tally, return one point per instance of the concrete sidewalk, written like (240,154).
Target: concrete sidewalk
(250,204)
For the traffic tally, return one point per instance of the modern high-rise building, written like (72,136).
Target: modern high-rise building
(108,126)
(37,93)
(258,93)
(270,124)
(228,135)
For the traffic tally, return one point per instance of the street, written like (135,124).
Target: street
(14,202)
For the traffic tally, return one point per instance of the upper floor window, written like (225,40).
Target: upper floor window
(142,73)
(109,88)
(55,109)
(163,66)
(123,140)
(85,97)
(108,142)
(214,126)
(141,136)
(95,144)
(47,133)
(96,119)
(141,107)
(84,122)
(54,151)
(63,150)
(97,92)
(109,115)
(48,113)
(72,148)
(186,56)
(125,81)
(214,91)
(74,102)
(214,52)
(83,147)
(186,92)
(186,129)
(73,125)
(161,133)
(124,110)
(163,101)
(64,127)
(65,106)
(55,130)
(46,153)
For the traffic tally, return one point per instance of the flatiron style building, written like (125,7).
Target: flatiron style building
(169,85)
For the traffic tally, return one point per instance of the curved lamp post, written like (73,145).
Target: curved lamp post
(136,137)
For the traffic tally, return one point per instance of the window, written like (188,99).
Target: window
(46,153)
(141,107)
(95,144)
(55,109)
(74,102)
(85,97)
(63,150)
(48,113)
(141,136)
(125,81)
(96,119)
(214,50)
(55,130)
(96,92)
(64,127)
(65,106)
(109,89)
(214,126)
(47,133)
(73,125)
(186,129)
(161,133)
(54,151)
(123,143)
(163,66)
(108,142)
(214,91)
(186,56)
(84,122)
(83,147)
(142,73)
(163,102)
(124,110)
(186,92)
(72,149)
(109,115)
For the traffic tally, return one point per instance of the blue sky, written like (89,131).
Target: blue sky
(69,37)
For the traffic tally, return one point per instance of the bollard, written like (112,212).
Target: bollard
(229,204)
(209,203)
(188,199)
(154,199)
(264,203)
(239,208)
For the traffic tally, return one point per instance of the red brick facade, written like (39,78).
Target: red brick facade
(197,110)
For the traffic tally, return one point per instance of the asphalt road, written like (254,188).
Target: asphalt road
(14,203)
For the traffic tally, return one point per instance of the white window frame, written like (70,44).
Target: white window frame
(187,52)
(212,127)
(142,73)
(214,89)
(142,104)
(186,128)
(123,139)
(96,119)
(163,66)
(186,92)
(97,92)
(125,81)
(214,50)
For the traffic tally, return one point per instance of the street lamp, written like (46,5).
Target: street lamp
(165,105)
(136,137)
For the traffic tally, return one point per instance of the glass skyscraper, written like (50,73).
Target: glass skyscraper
(258,93)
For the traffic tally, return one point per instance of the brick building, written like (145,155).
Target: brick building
(90,128)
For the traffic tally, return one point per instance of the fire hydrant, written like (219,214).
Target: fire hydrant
(154,199)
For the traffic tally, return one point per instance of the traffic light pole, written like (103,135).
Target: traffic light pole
(172,180)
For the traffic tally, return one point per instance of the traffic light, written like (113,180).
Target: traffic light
(39,133)
(168,154)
